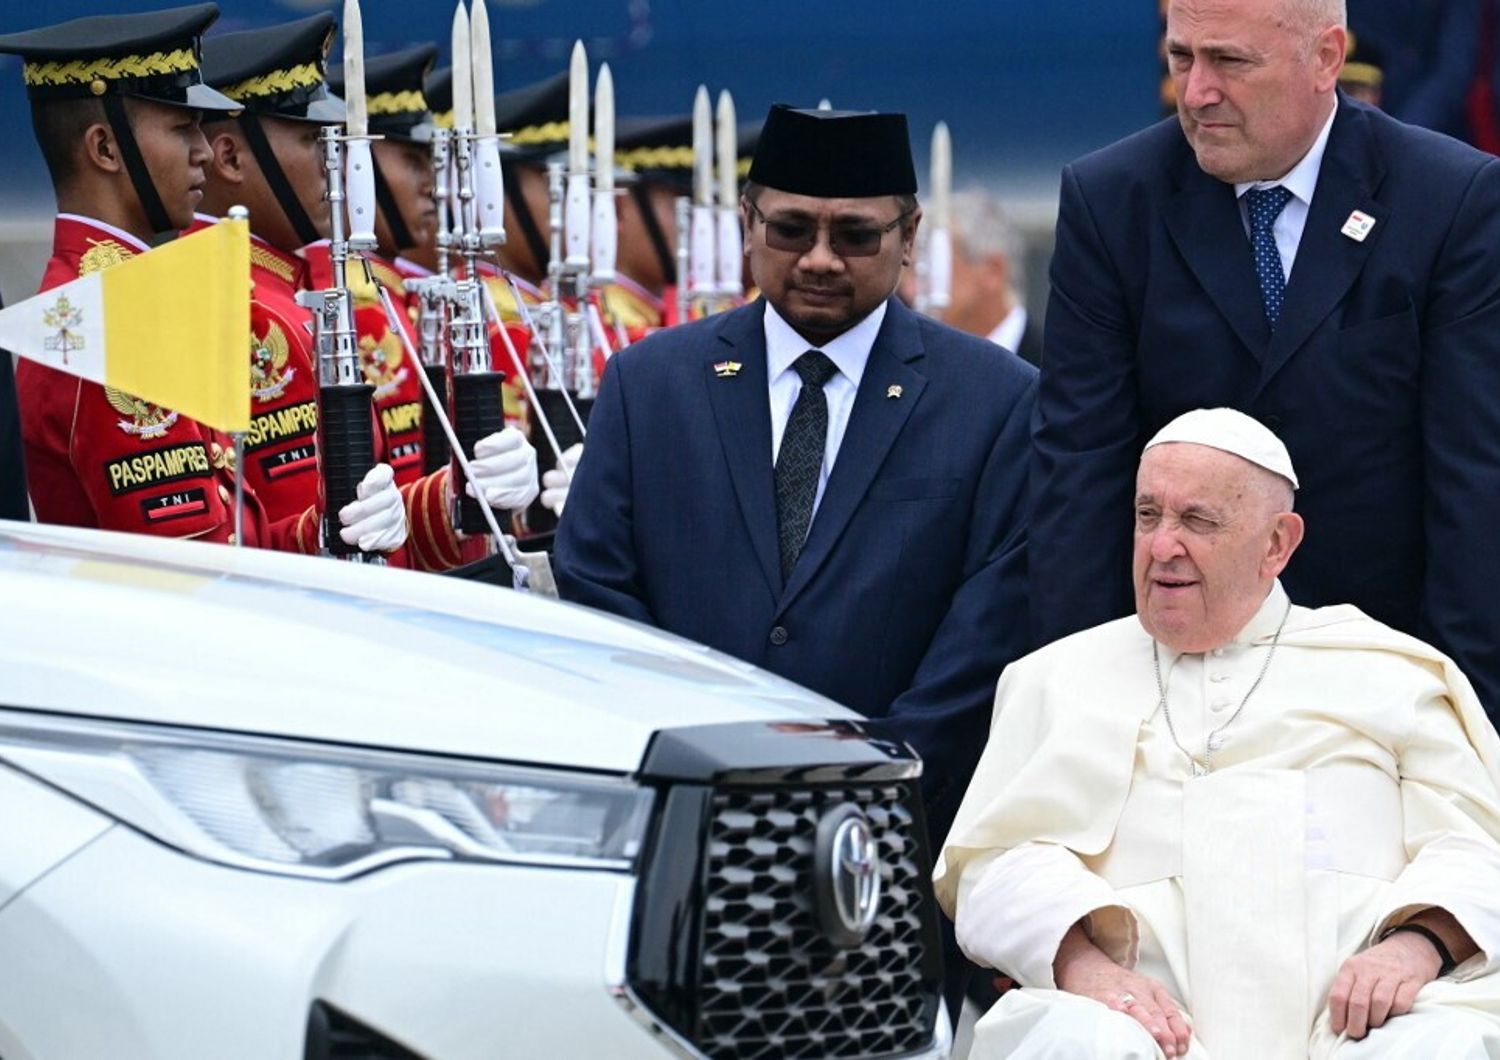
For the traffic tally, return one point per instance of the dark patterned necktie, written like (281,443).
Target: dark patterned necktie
(1264,205)
(800,460)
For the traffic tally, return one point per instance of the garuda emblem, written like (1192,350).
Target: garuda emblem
(382,361)
(269,374)
(64,317)
(146,421)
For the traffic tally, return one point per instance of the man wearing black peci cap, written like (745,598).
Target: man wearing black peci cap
(822,483)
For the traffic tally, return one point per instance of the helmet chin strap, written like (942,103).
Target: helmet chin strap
(664,254)
(162,229)
(286,195)
(530,231)
(392,210)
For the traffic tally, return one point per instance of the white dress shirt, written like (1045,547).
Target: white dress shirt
(1008,332)
(1301,181)
(849,352)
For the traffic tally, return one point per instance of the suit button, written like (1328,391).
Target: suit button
(1272,421)
(778,636)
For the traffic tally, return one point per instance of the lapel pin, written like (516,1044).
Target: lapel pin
(727,369)
(1358,226)
(893,391)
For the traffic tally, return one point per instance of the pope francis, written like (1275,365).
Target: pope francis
(1229,826)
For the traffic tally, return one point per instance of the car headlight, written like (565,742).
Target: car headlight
(323,811)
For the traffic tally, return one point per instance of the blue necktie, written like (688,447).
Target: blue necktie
(1264,205)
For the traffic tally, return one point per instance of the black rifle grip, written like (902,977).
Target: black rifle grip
(478,411)
(539,518)
(435,449)
(346,453)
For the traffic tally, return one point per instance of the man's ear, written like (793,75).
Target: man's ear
(227,156)
(100,150)
(1286,535)
(909,238)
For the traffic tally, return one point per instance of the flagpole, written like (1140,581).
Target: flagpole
(239,213)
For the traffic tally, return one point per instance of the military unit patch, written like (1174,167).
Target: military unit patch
(169,464)
(177,505)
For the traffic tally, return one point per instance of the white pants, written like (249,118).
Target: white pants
(1052,1025)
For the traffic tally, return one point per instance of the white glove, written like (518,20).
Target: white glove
(504,465)
(555,483)
(376,521)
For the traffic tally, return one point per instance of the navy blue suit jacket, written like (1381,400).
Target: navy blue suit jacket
(909,596)
(1382,376)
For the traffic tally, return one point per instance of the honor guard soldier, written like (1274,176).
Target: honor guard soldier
(657,156)
(269,159)
(406,218)
(420,262)
(116,102)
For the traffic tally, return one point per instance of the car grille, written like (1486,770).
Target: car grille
(770,983)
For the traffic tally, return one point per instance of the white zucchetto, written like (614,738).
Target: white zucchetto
(1233,432)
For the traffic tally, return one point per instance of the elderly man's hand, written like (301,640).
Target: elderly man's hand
(1381,982)
(1082,968)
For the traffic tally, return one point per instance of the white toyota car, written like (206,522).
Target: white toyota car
(267,806)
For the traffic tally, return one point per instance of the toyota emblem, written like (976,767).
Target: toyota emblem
(847,875)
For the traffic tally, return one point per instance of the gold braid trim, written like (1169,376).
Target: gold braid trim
(656,158)
(396,102)
(443,119)
(307,75)
(388,278)
(270,262)
(551,132)
(1361,74)
(83,71)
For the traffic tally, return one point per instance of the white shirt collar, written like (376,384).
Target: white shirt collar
(1302,179)
(1011,330)
(850,351)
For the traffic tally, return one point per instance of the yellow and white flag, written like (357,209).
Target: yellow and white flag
(169,326)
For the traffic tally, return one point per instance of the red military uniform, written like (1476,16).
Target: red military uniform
(96,456)
(431,544)
(630,311)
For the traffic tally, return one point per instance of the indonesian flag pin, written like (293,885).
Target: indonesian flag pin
(1358,226)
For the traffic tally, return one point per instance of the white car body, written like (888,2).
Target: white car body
(121,943)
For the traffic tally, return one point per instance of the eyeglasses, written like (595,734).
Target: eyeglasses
(846,239)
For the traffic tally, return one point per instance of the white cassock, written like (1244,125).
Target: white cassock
(1359,785)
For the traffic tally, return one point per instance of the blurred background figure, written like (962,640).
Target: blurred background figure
(13,504)
(1437,59)
(1363,74)
(989,276)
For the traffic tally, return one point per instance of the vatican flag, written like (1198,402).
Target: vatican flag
(169,326)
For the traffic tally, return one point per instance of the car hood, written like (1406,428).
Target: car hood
(184,633)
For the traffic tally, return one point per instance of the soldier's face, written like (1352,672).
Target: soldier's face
(300,154)
(407,168)
(1253,83)
(819,291)
(638,257)
(175,152)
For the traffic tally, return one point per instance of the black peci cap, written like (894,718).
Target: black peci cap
(394,92)
(279,71)
(834,154)
(153,55)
